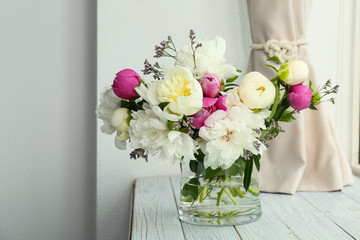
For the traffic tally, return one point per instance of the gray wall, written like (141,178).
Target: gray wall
(47,121)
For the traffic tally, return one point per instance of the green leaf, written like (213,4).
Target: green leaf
(210,173)
(227,89)
(311,86)
(287,117)
(242,163)
(284,71)
(191,188)
(231,85)
(163,105)
(200,156)
(312,107)
(271,66)
(257,161)
(275,81)
(197,167)
(125,104)
(235,169)
(230,80)
(284,104)
(247,173)
(275,59)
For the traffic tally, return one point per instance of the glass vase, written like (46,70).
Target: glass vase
(219,200)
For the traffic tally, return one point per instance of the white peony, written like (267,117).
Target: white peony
(294,72)
(233,98)
(113,117)
(149,131)
(180,89)
(178,145)
(256,91)
(119,119)
(227,139)
(209,59)
(109,102)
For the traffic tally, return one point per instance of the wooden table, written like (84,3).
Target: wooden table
(305,215)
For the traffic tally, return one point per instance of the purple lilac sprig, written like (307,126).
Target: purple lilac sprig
(269,133)
(194,45)
(184,125)
(139,153)
(166,49)
(325,90)
(153,69)
(248,155)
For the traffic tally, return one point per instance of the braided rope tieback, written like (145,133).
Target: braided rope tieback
(283,49)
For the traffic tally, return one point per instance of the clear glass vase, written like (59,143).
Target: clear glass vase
(219,200)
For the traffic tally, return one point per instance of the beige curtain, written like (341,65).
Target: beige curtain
(307,157)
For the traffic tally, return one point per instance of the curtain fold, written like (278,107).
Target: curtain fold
(307,157)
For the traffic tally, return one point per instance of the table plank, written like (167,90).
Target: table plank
(303,219)
(305,215)
(195,232)
(267,227)
(338,207)
(353,191)
(154,211)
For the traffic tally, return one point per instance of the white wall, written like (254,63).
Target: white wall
(127,34)
(47,123)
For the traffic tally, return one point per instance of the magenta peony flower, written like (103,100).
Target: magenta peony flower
(300,97)
(210,106)
(210,85)
(124,84)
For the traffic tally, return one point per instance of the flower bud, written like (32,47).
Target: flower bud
(256,91)
(300,97)
(120,119)
(293,72)
(210,85)
(124,84)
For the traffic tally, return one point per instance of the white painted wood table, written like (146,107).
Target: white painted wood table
(305,215)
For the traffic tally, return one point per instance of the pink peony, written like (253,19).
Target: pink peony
(210,106)
(124,84)
(300,97)
(210,85)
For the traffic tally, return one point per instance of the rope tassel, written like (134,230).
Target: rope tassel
(283,49)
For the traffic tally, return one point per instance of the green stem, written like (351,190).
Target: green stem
(220,214)
(231,197)
(239,192)
(253,192)
(221,193)
(233,192)
(203,194)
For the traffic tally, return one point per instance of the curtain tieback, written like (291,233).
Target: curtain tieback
(283,49)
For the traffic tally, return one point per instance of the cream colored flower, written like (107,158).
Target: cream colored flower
(119,119)
(294,72)
(180,89)
(256,91)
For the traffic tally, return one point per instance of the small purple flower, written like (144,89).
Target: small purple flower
(139,153)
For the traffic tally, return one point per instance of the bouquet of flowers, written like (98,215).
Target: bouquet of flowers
(194,112)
